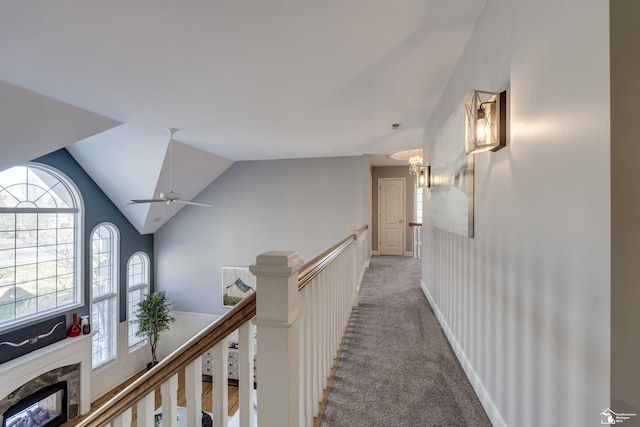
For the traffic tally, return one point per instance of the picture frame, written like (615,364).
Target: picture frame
(237,283)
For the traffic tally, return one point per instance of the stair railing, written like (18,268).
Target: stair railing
(301,313)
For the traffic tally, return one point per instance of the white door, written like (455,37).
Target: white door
(391,226)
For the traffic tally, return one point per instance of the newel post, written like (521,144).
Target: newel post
(278,333)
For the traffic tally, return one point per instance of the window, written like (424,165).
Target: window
(104,293)
(40,223)
(138,287)
(419,194)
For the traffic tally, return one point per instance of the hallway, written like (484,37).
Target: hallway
(396,367)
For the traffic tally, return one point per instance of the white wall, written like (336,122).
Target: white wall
(306,205)
(526,302)
(124,367)
(184,328)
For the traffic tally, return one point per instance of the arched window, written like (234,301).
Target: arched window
(104,293)
(40,245)
(138,287)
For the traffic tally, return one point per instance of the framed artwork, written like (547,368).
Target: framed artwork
(237,283)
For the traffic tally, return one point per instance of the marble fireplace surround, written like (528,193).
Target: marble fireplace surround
(69,359)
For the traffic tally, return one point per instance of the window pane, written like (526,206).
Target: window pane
(7,239)
(7,312)
(7,258)
(26,221)
(103,322)
(7,220)
(26,307)
(7,294)
(47,221)
(7,276)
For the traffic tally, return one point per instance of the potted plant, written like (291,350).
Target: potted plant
(153,317)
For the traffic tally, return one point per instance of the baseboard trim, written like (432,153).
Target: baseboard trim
(485,399)
(374,253)
(409,254)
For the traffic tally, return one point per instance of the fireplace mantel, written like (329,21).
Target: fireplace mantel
(69,351)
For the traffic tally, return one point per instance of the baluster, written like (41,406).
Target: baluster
(123,420)
(322,285)
(220,362)
(246,340)
(146,407)
(306,360)
(193,391)
(316,391)
(169,392)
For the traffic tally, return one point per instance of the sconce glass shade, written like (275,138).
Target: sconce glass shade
(423,177)
(485,121)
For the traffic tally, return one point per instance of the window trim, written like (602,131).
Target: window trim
(115,295)
(78,239)
(142,343)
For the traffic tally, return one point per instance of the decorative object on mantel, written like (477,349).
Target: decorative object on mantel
(86,327)
(25,340)
(75,329)
(153,317)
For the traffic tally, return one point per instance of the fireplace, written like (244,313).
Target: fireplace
(67,361)
(46,407)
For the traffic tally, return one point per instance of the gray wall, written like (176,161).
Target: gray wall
(625,207)
(306,205)
(410,190)
(526,303)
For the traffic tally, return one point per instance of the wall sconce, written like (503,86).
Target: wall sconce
(423,177)
(486,121)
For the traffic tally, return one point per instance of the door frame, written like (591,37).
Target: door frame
(403,234)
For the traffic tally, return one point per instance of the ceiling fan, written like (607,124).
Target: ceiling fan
(171,196)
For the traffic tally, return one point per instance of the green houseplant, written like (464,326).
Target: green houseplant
(153,317)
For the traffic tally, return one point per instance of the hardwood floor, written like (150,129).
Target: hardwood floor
(207,398)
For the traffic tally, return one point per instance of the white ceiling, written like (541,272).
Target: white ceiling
(242,80)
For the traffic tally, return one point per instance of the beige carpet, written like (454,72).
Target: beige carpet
(397,368)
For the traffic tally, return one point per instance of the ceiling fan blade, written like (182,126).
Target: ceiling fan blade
(133,202)
(204,205)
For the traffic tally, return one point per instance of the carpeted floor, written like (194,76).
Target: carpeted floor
(397,368)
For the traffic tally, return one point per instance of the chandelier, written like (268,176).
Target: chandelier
(414,157)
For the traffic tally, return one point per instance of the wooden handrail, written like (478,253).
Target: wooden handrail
(192,349)
(311,269)
(415,224)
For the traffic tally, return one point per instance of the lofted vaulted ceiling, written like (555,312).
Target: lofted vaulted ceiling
(242,80)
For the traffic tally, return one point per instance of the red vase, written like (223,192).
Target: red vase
(75,329)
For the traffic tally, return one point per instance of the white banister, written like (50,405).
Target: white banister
(246,352)
(277,320)
(169,394)
(193,391)
(146,408)
(220,357)
(123,420)
(301,314)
